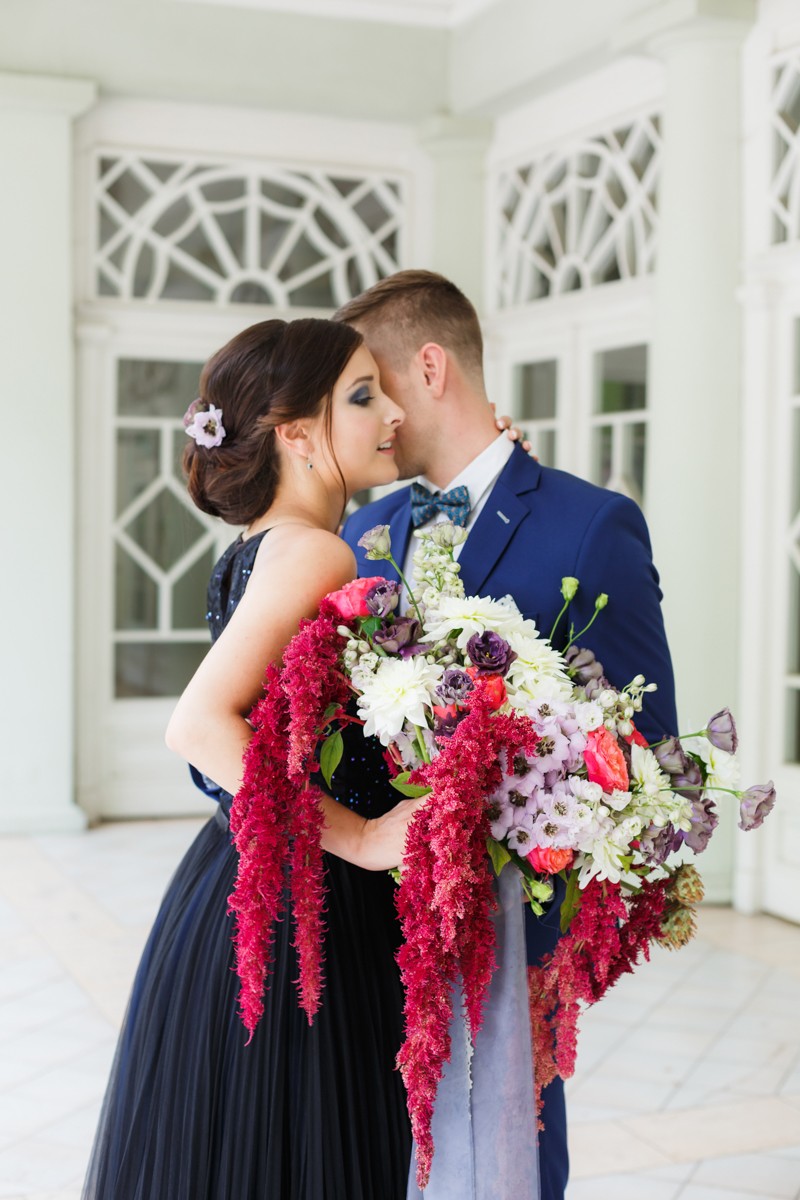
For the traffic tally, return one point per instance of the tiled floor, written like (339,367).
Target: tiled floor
(689,1080)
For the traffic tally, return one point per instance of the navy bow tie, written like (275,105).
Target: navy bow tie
(453,504)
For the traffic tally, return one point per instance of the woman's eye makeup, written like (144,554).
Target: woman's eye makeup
(361,396)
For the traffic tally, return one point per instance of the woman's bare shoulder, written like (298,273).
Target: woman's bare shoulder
(306,553)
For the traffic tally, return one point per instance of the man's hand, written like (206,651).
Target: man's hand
(505,425)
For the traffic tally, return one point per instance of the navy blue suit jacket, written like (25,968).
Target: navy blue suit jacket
(537,526)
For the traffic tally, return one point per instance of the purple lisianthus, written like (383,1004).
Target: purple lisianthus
(721,731)
(704,822)
(671,756)
(454,686)
(377,542)
(689,781)
(593,687)
(398,636)
(204,424)
(656,844)
(582,664)
(490,653)
(755,804)
(383,598)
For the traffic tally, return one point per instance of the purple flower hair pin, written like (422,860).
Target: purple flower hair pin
(204,424)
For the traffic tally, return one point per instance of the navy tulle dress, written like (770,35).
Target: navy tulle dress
(302,1113)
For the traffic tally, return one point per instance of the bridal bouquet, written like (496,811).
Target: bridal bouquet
(532,759)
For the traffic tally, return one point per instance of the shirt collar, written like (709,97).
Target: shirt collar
(479,475)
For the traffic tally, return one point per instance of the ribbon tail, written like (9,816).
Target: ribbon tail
(484,1125)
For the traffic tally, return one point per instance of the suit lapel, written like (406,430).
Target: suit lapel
(400,531)
(498,521)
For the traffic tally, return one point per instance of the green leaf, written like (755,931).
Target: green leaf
(498,854)
(329,712)
(411,790)
(369,625)
(331,755)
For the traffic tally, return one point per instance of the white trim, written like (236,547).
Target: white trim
(46,94)
(436,14)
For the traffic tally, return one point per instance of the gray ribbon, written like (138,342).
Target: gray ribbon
(484,1125)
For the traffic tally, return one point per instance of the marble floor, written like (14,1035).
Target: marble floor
(688,1085)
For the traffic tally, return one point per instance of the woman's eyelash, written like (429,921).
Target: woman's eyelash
(362,396)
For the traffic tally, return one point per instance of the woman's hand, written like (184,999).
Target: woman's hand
(384,838)
(505,425)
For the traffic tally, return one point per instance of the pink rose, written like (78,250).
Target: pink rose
(492,686)
(548,860)
(605,762)
(350,601)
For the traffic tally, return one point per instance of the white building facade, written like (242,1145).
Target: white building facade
(618,189)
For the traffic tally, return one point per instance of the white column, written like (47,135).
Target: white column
(458,149)
(37,482)
(693,469)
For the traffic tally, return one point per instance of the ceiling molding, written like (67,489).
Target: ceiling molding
(440,14)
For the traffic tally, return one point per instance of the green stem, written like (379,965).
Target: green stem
(412,598)
(564,608)
(573,637)
(423,749)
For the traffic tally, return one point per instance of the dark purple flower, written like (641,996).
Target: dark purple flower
(399,635)
(490,653)
(671,757)
(382,598)
(704,822)
(689,781)
(721,731)
(445,719)
(582,664)
(755,804)
(657,843)
(454,686)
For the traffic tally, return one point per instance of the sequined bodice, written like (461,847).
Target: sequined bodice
(229,580)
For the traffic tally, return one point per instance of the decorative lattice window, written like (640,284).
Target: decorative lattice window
(793,550)
(784,192)
(579,216)
(251,233)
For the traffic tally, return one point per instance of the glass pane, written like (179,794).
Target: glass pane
(793,726)
(136,594)
(148,669)
(622,379)
(634,452)
(793,631)
(603,454)
(165,529)
(535,390)
(794,469)
(189,594)
(544,445)
(137,463)
(156,389)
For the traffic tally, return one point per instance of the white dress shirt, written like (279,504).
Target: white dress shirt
(479,477)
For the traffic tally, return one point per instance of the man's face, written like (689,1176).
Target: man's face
(405,385)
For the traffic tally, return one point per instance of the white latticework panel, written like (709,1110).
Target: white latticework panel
(579,217)
(784,194)
(250,233)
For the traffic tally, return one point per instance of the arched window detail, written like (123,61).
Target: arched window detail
(249,233)
(579,217)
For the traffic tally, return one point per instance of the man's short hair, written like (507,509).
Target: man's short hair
(415,307)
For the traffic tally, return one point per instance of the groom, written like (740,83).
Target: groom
(529,526)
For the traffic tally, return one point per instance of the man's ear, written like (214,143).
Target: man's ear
(432,363)
(294,437)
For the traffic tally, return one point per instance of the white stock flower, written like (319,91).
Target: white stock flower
(400,690)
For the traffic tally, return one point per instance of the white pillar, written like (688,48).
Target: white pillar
(458,148)
(694,482)
(37,483)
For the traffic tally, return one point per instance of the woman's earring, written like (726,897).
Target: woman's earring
(309,464)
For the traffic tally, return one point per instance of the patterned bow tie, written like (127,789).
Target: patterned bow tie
(453,504)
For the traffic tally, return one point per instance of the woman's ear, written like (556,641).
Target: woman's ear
(432,363)
(294,437)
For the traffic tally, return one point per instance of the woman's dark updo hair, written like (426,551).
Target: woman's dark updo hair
(271,373)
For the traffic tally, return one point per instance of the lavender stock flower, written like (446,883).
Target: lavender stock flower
(383,598)
(721,731)
(755,804)
(490,653)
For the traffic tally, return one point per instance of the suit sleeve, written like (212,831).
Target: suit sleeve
(628,636)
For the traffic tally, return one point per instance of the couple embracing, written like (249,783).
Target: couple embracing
(291,421)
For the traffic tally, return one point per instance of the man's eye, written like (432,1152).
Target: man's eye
(362,397)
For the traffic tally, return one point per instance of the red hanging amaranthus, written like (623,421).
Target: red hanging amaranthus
(276,817)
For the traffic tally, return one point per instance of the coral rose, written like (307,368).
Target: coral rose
(635,738)
(549,860)
(350,601)
(492,686)
(605,762)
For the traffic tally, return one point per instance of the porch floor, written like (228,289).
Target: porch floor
(688,1086)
